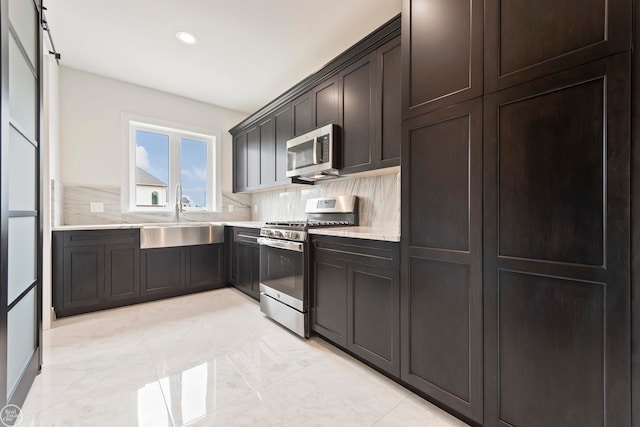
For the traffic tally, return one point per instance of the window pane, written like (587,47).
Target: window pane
(22,173)
(24,18)
(21,337)
(193,173)
(152,169)
(22,253)
(22,91)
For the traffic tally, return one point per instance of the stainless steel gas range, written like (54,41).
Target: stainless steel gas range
(284,260)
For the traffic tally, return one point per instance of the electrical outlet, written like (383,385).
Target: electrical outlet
(230,207)
(255,208)
(289,206)
(96,207)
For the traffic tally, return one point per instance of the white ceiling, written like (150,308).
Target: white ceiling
(249,51)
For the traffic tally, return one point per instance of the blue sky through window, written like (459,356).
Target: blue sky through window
(152,154)
(193,171)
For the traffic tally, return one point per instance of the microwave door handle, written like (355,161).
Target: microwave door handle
(317,152)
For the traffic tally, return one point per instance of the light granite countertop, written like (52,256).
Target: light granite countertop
(359,232)
(248,224)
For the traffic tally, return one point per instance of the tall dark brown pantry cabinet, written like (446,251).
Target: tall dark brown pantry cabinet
(442,255)
(20,201)
(556,238)
(517,210)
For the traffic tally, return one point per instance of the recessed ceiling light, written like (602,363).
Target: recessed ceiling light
(186,37)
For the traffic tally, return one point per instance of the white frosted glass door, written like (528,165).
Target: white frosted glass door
(22,169)
(22,337)
(22,255)
(20,317)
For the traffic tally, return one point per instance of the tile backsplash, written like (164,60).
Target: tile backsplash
(379,200)
(379,203)
(76,199)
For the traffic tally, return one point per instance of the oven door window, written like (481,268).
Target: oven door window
(281,269)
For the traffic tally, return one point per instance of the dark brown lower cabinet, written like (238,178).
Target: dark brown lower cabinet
(329,294)
(162,270)
(99,269)
(246,261)
(442,256)
(83,276)
(94,268)
(355,298)
(556,246)
(122,272)
(205,266)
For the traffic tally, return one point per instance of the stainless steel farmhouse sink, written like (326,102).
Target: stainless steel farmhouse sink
(168,235)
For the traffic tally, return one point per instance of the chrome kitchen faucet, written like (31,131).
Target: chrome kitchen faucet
(178,208)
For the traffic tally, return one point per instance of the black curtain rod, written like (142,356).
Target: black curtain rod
(45,26)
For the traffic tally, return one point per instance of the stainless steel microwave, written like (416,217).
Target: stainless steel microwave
(313,155)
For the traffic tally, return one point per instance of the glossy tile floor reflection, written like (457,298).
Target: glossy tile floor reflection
(203,360)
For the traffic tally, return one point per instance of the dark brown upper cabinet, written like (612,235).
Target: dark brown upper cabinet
(283,131)
(357,99)
(525,40)
(442,51)
(325,105)
(240,162)
(302,108)
(389,113)
(253,158)
(556,239)
(267,152)
(441,274)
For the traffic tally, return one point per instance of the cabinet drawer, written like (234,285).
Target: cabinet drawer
(365,252)
(248,235)
(101,237)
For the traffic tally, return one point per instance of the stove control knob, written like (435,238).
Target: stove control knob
(277,233)
(294,235)
(267,232)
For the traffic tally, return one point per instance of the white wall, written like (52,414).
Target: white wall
(50,171)
(90,125)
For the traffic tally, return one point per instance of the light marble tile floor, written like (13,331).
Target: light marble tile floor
(208,359)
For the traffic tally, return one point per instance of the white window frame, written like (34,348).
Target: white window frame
(131,123)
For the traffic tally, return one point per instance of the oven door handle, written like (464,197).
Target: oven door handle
(281,244)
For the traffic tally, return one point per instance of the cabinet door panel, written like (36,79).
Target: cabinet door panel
(302,114)
(283,131)
(442,256)
(330,299)
(373,324)
(443,41)
(557,300)
(527,40)
(83,276)
(358,115)
(267,153)
(240,162)
(253,158)
(439,325)
(162,270)
(247,264)
(326,103)
(205,265)
(122,275)
(389,117)
(255,271)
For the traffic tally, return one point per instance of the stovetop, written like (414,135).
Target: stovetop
(321,212)
(307,224)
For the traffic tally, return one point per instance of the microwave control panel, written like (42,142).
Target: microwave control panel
(323,142)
